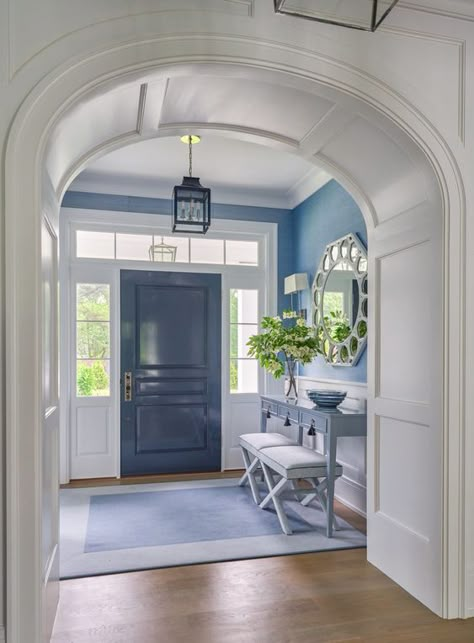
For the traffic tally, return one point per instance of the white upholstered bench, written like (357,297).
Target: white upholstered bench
(292,463)
(251,444)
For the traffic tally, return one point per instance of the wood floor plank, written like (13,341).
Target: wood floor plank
(309,598)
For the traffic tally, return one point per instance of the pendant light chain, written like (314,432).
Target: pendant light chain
(190,156)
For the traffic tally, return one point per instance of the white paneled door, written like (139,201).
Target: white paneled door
(406,411)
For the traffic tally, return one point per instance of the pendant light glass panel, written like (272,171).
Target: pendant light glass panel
(191,201)
(358,14)
(192,206)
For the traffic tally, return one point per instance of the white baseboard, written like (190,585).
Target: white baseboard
(469,612)
(353,495)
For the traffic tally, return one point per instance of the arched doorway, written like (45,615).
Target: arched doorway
(404,206)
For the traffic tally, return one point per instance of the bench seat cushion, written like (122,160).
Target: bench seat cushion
(296,462)
(253,442)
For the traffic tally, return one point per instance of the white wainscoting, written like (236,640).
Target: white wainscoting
(351,488)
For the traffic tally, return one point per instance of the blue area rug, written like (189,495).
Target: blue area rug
(183,516)
(116,529)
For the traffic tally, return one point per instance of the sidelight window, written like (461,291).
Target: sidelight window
(92,340)
(243,323)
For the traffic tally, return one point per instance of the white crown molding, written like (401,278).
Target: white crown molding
(310,183)
(154,188)
(103,183)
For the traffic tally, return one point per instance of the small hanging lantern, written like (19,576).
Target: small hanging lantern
(357,14)
(162,252)
(191,201)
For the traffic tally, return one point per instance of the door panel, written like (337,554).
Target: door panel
(171,346)
(50,447)
(405,407)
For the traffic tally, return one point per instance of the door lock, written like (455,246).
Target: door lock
(128,386)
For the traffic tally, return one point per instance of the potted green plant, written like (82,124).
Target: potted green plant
(282,344)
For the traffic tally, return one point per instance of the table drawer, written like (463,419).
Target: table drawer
(293,414)
(319,422)
(270,406)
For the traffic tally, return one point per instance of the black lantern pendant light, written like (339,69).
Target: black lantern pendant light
(191,202)
(357,14)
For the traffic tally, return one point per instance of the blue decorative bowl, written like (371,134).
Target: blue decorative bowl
(326,399)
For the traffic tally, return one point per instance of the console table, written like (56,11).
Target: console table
(333,424)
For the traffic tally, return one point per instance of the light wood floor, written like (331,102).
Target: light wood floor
(308,598)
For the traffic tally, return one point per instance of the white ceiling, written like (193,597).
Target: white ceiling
(234,116)
(237,171)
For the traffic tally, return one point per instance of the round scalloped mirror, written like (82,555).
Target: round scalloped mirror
(340,303)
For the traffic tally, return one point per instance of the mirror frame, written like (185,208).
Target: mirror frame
(338,350)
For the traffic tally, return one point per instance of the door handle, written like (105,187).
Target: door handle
(128,386)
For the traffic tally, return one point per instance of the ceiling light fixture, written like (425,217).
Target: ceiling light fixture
(191,201)
(356,14)
(162,252)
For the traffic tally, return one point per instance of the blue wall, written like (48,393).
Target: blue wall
(145,205)
(325,216)
(303,235)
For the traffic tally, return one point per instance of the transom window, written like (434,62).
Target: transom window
(119,246)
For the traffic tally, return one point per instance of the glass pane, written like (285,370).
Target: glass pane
(93,340)
(241,253)
(243,306)
(243,376)
(180,243)
(93,378)
(207,251)
(134,247)
(239,336)
(93,302)
(95,245)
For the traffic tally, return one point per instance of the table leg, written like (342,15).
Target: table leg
(300,435)
(263,421)
(331,464)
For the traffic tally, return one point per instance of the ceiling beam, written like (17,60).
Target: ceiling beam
(150,104)
(331,124)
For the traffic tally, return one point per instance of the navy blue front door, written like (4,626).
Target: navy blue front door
(171,357)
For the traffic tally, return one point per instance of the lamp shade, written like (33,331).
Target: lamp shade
(296,282)
(358,14)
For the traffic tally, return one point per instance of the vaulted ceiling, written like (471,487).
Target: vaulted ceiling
(232,115)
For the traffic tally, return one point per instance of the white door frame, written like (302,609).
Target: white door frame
(74,270)
(25,154)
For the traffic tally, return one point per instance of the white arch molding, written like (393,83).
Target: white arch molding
(437,221)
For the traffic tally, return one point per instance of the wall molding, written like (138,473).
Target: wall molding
(440,11)
(351,488)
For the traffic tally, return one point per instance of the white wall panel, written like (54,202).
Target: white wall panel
(403,490)
(404,291)
(92,431)
(34,25)
(93,452)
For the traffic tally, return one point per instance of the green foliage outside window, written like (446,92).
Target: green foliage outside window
(93,339)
